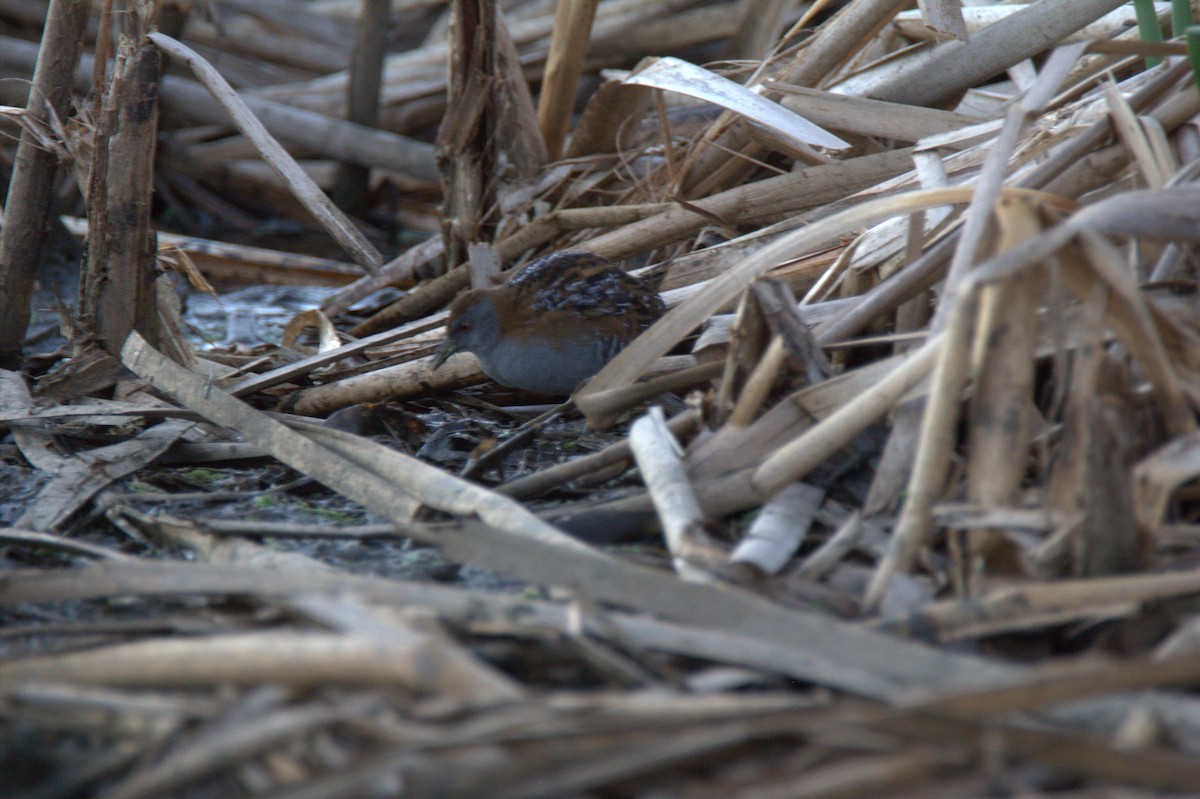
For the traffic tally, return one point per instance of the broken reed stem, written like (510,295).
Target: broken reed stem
(954,66)
(926,270)
(117,291)
(680,425)
(421,302)
(564,64)
(401,272)
(301,185)
(1001,407)
(362,97)
(835,41)
(917,276)
(979,215)
(635,359)
(31,189)
(936,444)
(792,461)
(618,400)
(822,559)
(766,200)
(759,383)
(660,461)
(746,342)
(1131,317)
(439,291)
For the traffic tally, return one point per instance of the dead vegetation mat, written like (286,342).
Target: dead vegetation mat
(895,500)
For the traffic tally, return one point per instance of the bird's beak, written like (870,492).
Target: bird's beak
(447,349)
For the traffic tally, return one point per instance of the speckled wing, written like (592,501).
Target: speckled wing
(587,285)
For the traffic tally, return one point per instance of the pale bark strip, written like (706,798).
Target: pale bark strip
(659,460)
(777,532)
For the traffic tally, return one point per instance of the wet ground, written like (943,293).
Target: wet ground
(447,431)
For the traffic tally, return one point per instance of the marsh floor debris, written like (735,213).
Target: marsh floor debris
(896,498)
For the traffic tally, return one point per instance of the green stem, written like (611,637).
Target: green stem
(1181,17)
(1193,46)
(1148,28)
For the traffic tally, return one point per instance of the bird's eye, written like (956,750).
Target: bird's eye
(462,327)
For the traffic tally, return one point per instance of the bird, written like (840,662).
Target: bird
(553,324)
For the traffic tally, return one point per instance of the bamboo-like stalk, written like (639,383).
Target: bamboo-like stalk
(190,102)
(955,66)
(30,190)
(568,49)
(362,100)
(117,293)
